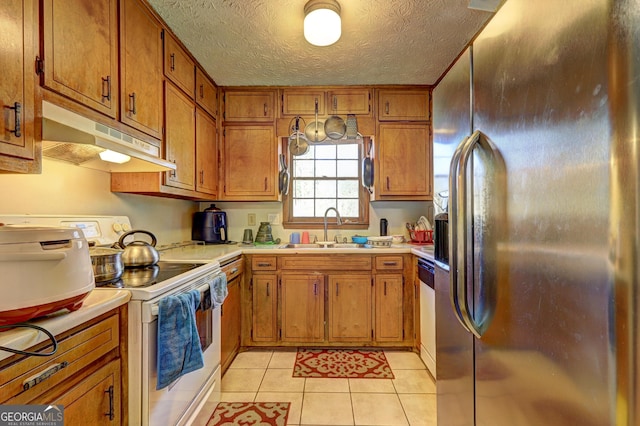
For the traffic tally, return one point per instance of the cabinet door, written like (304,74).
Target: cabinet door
(302,309)
(349,308)
(265,299)
(404,161)
(206,153)
(81,51)
(17,84)
(206,93)
(95,400)
(250,169)
(302,102)
(249,106)
(404,105)
(389,308)
(350,101)
(178,66)
(180,138)
(230,323)
(140,68)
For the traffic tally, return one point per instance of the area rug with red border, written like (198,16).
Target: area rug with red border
(250,413)
(346,363)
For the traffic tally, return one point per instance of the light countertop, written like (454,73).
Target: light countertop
(97,303)
(222,252)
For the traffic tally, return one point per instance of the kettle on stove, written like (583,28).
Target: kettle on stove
(210,226)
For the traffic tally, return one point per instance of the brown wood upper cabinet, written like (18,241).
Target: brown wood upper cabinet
(178,65)
(404,105)
(80,51)
(206,93)
(206,153)
(140,68)
(179,138)
(349,101)
(250,163)
(303,102)
(339,101)
(403,162)
(17,148)
(249,105)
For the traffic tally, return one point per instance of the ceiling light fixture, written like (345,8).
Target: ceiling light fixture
(322,24)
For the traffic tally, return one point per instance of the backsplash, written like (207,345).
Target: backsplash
(397,213)
(65,189)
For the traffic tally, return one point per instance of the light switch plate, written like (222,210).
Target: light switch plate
(273,218)
(251,219)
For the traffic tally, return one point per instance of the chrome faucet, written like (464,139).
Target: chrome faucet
(338,221)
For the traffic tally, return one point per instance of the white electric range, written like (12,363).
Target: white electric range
(181,401)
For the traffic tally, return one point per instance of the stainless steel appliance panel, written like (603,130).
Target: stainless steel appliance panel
(541,95)
(454,355)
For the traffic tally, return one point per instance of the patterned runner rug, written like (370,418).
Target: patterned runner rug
(250,413)
(349,363)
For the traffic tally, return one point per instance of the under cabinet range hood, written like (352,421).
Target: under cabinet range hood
(69,137)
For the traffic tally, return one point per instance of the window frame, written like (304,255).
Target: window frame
(361,222)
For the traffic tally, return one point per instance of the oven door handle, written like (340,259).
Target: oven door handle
(203,289)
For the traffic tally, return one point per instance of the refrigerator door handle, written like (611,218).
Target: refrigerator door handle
(465,226)
(453,234)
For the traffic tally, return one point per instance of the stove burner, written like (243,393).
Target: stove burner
(149,275)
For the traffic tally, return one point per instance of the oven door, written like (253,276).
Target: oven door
(178,402)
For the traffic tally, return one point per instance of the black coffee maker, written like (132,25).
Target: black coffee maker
(210,226)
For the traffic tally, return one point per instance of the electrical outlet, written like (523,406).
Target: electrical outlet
(251,219)
(274,218)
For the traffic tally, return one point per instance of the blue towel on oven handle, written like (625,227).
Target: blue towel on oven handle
(219,291)
(178,343)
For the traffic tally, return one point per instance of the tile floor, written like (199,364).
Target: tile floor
(409,399)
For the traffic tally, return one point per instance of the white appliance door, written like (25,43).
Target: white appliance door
(174,404)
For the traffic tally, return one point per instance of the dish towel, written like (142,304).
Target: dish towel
(179,350)
(218,289)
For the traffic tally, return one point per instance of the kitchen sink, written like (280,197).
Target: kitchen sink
(334,245)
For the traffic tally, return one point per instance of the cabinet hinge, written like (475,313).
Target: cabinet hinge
(162,35)
(282,104)
(224,132)
(39,65)
(280,334)
(251,334)
(371,282)
(372,334)
(403,334)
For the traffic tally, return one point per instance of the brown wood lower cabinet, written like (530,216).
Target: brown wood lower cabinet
(350,308)
(95,400)
(389,292)
(265,298)
(84,375)
(302,308)
(328,300)
(230,324)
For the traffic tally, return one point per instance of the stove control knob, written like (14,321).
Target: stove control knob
(117,228)
(126,227)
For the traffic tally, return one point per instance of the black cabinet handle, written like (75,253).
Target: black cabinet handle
(268,290)
(106,83)
(202,91)
(132,103)
(17,130)
(111,414)
(173,62)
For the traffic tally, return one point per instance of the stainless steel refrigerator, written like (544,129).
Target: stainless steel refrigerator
(538,122)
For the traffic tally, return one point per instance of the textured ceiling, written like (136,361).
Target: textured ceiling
(260,42)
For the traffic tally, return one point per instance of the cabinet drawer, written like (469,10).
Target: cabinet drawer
(263,263)
(19,382)
(388,262)
(336,262)
(233,269)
